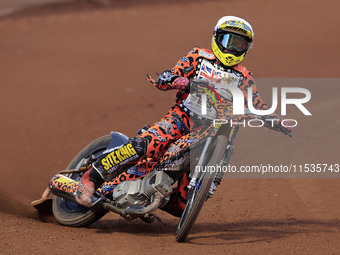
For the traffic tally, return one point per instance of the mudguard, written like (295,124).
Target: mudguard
(117,139)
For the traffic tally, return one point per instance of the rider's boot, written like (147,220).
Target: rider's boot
(87,187)
(109,166)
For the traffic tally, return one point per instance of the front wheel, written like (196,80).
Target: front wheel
(71,214)
(199,195)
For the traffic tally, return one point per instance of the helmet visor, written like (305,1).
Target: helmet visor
(233,43)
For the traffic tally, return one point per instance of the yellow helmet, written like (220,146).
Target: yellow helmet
(231,40)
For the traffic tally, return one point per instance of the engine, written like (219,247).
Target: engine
(141,191)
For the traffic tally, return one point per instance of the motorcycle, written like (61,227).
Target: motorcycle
(147,186)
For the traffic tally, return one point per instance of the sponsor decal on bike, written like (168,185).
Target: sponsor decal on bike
(108,187)
(118,156)
(136,171)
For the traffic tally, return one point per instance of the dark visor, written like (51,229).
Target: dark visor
(232,42)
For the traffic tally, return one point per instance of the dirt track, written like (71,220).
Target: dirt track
(70,75)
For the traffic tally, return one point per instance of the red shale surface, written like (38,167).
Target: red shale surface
(72,72)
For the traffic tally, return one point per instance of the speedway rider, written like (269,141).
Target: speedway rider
(231,41)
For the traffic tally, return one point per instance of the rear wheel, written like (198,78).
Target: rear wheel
(199,194)
(71,214)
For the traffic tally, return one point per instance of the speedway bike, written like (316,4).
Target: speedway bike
(145,187)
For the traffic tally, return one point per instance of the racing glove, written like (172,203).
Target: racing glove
(180,83)
(288,125)
(278,126)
